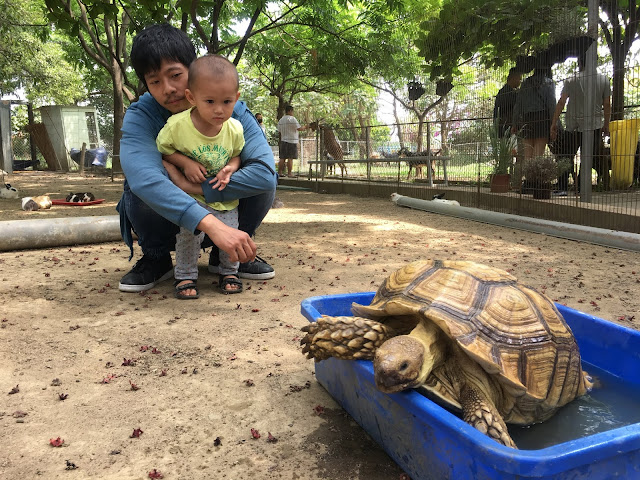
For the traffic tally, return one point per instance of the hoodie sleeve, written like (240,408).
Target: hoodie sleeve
(142,165)
(257,173)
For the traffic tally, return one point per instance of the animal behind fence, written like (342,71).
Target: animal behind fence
(330,148)
(418,164)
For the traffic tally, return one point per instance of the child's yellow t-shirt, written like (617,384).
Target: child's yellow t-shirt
(180,135)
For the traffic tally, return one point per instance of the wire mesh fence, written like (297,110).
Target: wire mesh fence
(552,133)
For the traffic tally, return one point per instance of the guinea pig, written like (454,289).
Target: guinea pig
(29,205)
(82,197)
(44,201)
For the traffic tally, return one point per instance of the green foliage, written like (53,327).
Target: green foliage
(32,58)
(495,30)
(540,170)
(503,146)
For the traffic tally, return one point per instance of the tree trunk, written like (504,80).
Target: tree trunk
(398,125)
(617,100)
(118,115)
(420,130)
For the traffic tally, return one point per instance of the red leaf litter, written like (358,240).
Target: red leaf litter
(319,409)
(108,378)
(255,433)
(56,442)
(136,433)
(155,474)
(271,438)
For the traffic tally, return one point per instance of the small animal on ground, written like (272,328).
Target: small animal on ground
(42,202)
(8,191)
(82,197)
(28,205)
(439,198)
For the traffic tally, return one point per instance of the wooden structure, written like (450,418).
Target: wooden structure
(69,127)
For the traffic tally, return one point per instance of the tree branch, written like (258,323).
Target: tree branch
(247,35)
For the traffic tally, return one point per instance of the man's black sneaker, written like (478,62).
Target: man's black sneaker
(146,273)
(256,270)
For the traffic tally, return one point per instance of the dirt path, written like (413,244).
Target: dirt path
(207,372)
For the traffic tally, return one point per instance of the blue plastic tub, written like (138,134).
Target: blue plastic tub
(429,442)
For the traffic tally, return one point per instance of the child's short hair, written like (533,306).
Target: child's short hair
(157,43)
(213,64)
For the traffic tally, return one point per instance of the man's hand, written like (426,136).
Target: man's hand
(605,130)
(236,243)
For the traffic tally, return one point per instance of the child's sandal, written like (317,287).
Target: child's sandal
(225,281)
(179,293)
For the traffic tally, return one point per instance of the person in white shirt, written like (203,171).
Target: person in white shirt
(578,120)
(288,127)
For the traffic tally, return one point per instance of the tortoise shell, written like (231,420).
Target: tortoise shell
(513,332)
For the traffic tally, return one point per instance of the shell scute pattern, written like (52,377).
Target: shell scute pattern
(513,332)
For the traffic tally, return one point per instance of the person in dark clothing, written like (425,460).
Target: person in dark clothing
(506,100)
(533,111)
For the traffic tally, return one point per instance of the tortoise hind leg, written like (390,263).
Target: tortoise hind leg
(479,412)
(347,338)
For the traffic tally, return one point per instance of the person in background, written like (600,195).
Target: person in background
(578,121)
(506,100)
(259,119)
(533,111)
(288,127)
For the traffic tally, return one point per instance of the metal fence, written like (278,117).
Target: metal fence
(572,71)
(462,170)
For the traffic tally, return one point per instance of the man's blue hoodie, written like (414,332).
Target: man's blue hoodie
(147,178)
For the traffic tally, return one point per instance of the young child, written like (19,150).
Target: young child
(204,141)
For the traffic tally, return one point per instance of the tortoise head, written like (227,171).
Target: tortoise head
(399,364)
(406,361)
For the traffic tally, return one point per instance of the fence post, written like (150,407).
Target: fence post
(82,154)
(367,146)
(429,171)
(478,179)
(32,144)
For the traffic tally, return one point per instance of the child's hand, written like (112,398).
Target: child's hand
(195,172)
(222,179)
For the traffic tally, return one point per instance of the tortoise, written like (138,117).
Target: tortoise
(470,334)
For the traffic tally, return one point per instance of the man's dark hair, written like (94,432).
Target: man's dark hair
(157,43)
(513,72)
(582,60)
(288,109)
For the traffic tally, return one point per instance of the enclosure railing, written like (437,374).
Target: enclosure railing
(462,170)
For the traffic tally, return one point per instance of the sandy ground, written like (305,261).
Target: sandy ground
(137,382)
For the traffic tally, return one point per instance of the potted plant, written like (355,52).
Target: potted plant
(539,172)
(503,149)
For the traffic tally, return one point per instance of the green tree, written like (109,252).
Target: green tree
(497,31)
(319,47)
(102,28)
(32,57)
(621,29)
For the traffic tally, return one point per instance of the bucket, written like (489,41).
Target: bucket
(624,140)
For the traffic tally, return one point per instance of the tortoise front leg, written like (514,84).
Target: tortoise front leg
(479,412)
(347,338)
